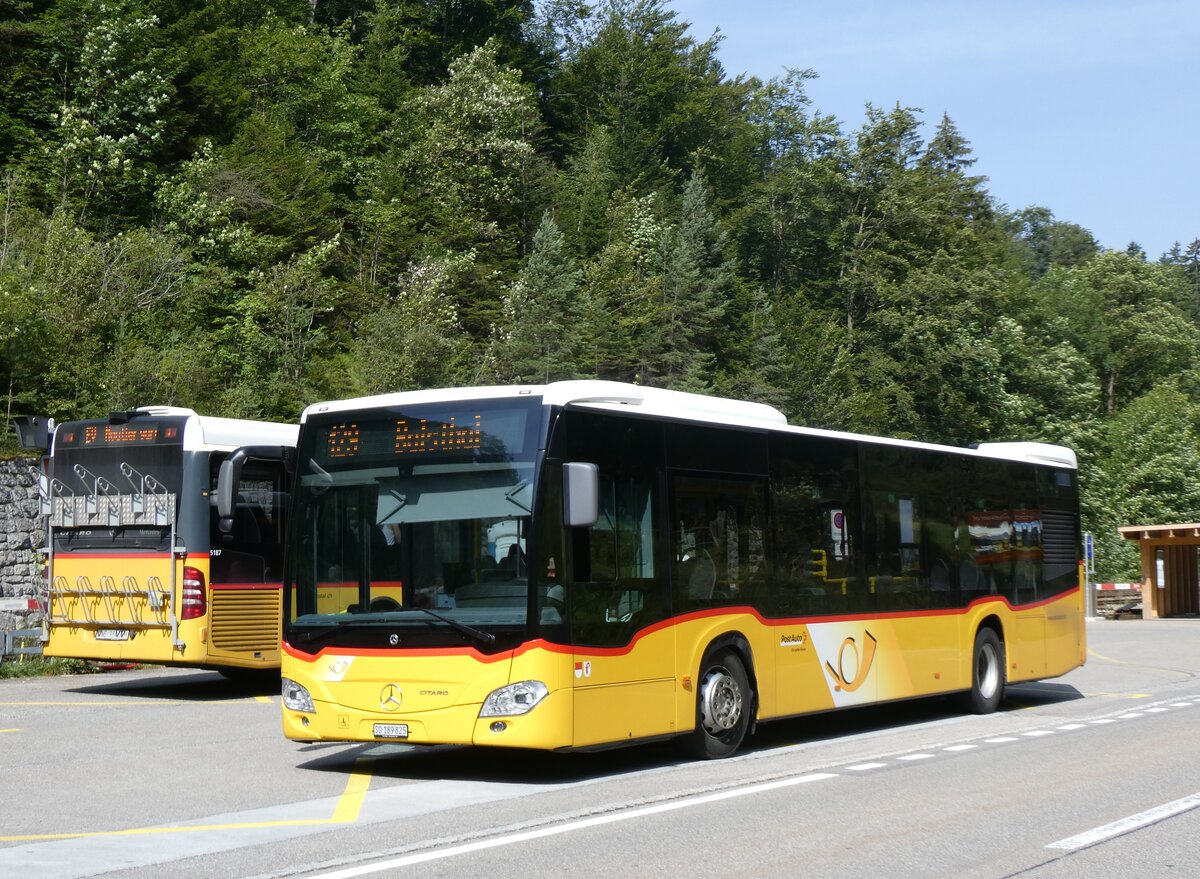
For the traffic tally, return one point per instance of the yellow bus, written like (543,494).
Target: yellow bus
(588,564)
(138,568)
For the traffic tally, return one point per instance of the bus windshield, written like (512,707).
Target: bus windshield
(413,520)
(99,462)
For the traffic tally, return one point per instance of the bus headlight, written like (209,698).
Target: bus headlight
(297,698)
(518,698)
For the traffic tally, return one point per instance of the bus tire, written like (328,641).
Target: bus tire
(987,674)
(724,703)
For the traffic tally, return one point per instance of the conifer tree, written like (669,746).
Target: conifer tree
(539,339)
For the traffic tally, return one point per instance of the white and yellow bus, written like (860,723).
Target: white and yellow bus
(139,569)
(585,564)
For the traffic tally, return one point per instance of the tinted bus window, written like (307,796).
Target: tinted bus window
(252,551)
(814,502)
(616,587)
(718,526)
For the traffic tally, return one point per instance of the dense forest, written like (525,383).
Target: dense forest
(245,207)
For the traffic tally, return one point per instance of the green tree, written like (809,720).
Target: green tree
(1148,472)
(471,157)
(622,289)
(282,342)
(413,339)
(1187,261)
(662,96)
(111,124)
(1043,242)
(697,289)
(543,316)
(788,227)
(26,81)
(1120,311)
(584,190)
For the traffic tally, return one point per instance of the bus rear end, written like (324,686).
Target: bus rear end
(136,570)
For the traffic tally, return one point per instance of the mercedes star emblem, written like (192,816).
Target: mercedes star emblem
(389,697)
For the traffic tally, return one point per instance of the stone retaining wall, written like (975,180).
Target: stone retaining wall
(21,530)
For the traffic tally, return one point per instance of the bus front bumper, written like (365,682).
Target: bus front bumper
(547,726)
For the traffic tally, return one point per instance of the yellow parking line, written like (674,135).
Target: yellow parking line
(267,699)
(1092,652)
(345,812)
(352,797)
(14,729)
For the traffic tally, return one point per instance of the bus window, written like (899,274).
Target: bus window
(1026,535)
(893,527)
(988,570)
(614,585)
(716,540)
(814,489)
(252,551)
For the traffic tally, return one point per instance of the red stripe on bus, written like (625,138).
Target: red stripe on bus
(61,555)
(411,651)
(728,610)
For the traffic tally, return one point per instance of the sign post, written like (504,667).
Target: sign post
(1089,569)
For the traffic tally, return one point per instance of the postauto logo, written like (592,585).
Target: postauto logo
(846,653)
(861,665)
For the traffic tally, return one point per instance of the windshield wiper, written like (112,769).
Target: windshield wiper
(334,628)
(355,619)
(470,631)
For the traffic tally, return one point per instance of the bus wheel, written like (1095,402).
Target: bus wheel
(723,706)
(987,674)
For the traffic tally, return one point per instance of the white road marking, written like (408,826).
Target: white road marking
(960,748)
(1126,825)
(570,827)
(916,757)
(863,767)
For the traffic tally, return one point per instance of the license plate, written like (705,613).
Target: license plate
(112,634)
(390,730)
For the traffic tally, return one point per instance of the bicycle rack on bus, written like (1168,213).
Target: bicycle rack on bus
(149,504)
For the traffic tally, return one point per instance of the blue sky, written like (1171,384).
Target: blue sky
(1087,107)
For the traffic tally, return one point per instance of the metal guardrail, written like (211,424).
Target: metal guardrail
(21,642)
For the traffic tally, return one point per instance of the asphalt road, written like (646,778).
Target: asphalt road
(154,772)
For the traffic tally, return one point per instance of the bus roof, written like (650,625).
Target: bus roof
(623,397)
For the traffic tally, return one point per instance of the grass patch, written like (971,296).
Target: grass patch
(36,667)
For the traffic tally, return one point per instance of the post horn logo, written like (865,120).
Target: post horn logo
(389,697)
(862,664)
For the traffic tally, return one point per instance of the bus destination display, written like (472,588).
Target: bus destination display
(411,437)
(490,432)
(98,434)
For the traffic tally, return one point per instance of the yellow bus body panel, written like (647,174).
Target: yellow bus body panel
(438,694)
(101,595)
(647,689)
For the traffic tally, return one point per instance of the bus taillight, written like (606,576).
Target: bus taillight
(194,602)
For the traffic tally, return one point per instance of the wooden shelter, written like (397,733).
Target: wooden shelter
(1170,573)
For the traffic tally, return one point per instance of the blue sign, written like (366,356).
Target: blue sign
(1089,547)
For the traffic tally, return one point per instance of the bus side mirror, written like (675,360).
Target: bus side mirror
(230,475)
(34,431)
(581,495)
(227,479)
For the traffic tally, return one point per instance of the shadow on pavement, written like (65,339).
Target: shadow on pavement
(189,686)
